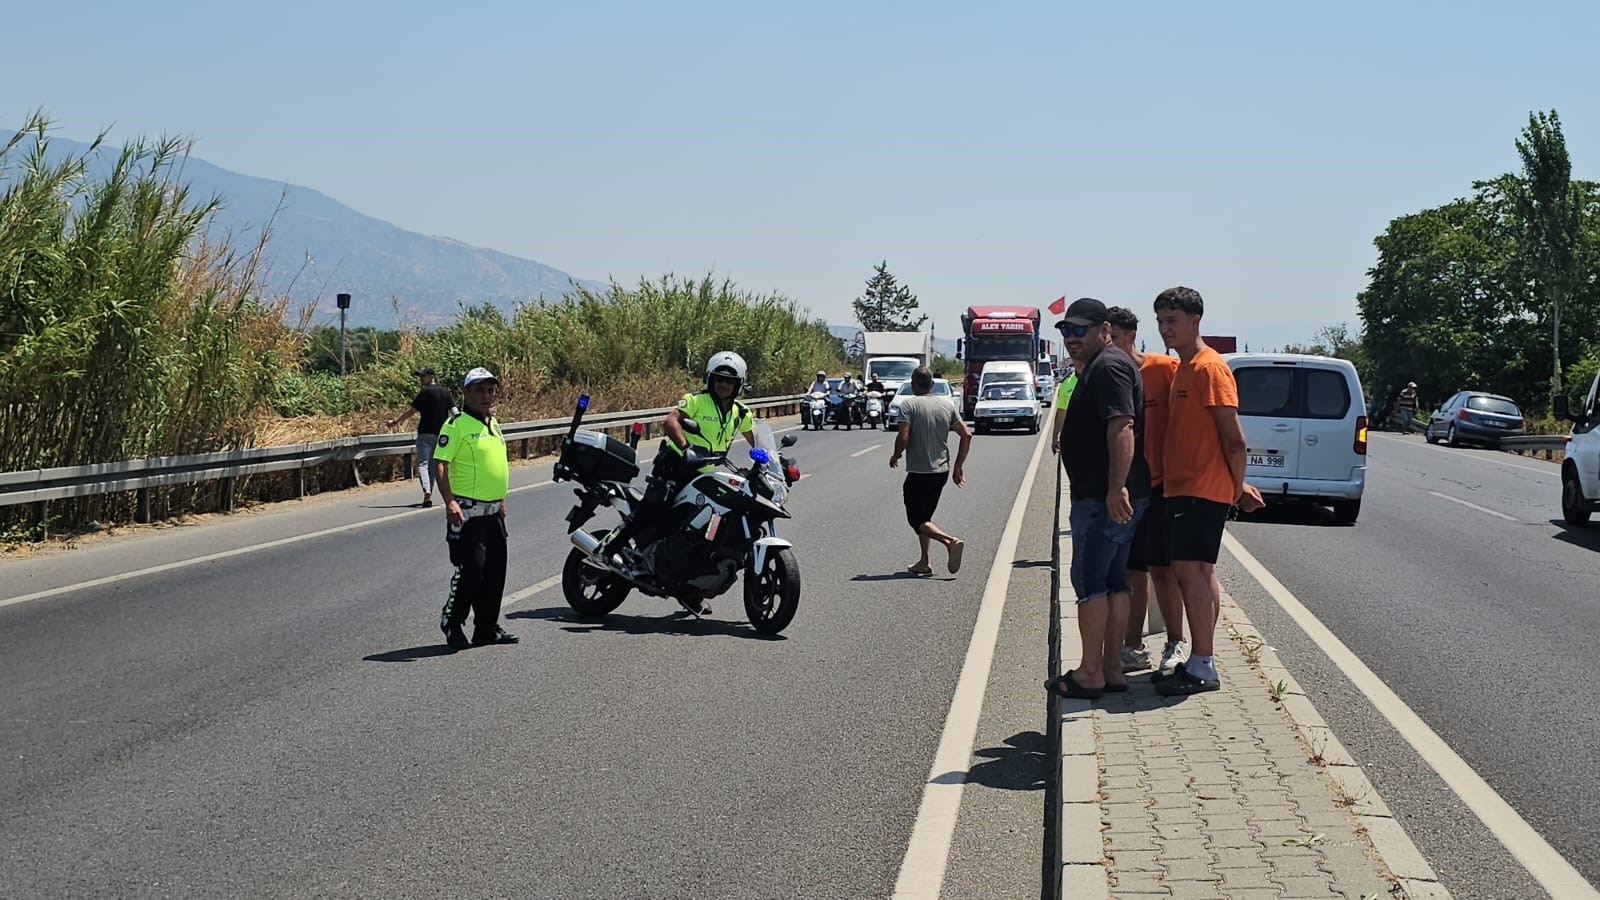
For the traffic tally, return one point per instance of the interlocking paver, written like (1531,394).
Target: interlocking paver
(1197,796)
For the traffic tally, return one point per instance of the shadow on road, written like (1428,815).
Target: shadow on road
(1021,765)
(1031,564)
(1585,536)
(676,623)
(1293,512)
(903,576)
(411,653)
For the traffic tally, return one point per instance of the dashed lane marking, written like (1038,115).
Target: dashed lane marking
(1482,509)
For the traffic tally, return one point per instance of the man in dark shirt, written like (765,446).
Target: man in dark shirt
(433,403)
(1102,446)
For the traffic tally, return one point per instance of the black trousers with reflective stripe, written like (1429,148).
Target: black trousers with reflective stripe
(479,554)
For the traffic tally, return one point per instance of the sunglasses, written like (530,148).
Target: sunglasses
(1070,330)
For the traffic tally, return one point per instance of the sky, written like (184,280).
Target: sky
(989,153)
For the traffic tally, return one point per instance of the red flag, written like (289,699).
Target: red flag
(1059,306)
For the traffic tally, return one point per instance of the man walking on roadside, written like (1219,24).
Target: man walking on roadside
(925,425)
(1149,554)
(1203,476)
(1110,485)
(433,404)
(472,472)
(1405,406)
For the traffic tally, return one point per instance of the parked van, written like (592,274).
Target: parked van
(1015,370)
(1305,428)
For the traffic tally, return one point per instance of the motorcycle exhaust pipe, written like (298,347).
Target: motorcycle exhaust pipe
(585,541)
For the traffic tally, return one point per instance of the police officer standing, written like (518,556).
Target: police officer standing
(471,473)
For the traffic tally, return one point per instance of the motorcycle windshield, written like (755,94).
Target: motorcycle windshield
(772,469)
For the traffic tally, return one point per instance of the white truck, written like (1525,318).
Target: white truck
(891,355)
(1580,471)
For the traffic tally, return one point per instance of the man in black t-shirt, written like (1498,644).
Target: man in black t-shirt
(433,404)
(1102,446)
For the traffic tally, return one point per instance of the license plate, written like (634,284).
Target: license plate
(1267,461)
(1001,420)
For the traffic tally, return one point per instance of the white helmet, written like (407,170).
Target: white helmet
(728,364)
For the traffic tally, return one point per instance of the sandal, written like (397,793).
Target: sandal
(1067,686)
(919,570)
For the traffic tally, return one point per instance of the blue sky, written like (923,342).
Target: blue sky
(1011,152)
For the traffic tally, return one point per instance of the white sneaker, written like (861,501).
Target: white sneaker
(1135,658)
(1175,654)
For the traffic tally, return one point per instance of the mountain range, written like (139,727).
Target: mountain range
(320,247)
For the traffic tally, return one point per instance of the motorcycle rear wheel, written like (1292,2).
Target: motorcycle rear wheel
(772,595)
(590,591)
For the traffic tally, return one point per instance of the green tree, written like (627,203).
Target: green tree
(1550,209)
(887,305)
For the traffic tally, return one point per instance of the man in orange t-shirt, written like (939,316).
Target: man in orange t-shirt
(1150,552)
(1202,476)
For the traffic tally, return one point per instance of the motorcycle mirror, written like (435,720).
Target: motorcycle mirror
(788,441)
(689,425)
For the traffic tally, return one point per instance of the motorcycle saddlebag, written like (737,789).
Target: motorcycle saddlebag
(592,456)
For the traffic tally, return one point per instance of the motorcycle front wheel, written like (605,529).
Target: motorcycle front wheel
(591,591)
(772,595)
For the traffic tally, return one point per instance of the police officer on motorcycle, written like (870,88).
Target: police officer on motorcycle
(719,416)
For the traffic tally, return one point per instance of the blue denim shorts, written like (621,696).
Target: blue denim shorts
(1100,548)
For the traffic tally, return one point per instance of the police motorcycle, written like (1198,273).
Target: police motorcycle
(874,415)
(720,524)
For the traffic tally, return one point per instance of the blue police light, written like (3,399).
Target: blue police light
(759,455)
(583,401)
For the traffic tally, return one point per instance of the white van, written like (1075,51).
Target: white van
(1016,370)
(1305,428)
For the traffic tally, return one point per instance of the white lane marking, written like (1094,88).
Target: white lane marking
(1478,456)
(1482,509)
(922,870)
(527,592)
(238,551)
(804,476)
(1542,861)
(866,451)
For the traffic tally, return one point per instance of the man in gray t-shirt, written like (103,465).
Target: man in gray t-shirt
(925,426)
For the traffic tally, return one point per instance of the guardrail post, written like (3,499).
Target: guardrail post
(355,470)
(227,495)
(141,506)
(527,444)
(405,462)
(300,484)
(41,520)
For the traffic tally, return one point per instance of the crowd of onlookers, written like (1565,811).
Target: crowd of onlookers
(1155,459)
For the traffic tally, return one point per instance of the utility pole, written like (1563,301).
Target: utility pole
(344,304)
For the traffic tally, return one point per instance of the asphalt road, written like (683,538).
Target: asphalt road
(1482,618)
(284,720)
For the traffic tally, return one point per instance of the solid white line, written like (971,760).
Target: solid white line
(922,870)
(866,451)
(527,592)
(1542,861)
(238,551)
(1482,509)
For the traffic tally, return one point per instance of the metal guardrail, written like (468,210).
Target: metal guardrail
(1535,442)
(43,485)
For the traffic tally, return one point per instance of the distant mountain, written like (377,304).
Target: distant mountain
(847,333)
(320,246)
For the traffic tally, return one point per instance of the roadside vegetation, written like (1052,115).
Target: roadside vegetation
(128,330)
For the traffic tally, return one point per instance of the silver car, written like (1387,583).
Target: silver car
(891,419)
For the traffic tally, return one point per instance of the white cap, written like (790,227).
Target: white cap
(477,375)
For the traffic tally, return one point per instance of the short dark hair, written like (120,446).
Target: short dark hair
(1122,317)
(1181,298)
(922,379)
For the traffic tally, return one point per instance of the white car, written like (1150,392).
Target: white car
(1580,471)
(891,421)
(1305,429)
(1006,404)
(1045,387)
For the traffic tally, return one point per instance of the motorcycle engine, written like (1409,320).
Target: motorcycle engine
(686,557)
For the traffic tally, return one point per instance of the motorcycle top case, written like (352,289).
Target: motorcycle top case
(592,456)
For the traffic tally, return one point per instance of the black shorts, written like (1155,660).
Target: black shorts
(1196,527)
(921,491)
(1151,543)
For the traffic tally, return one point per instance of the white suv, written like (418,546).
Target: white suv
(1580,471)
(1305,428)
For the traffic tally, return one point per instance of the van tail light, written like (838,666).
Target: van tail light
(1361,435)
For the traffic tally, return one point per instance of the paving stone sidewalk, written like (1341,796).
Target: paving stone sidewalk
(1242,793)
